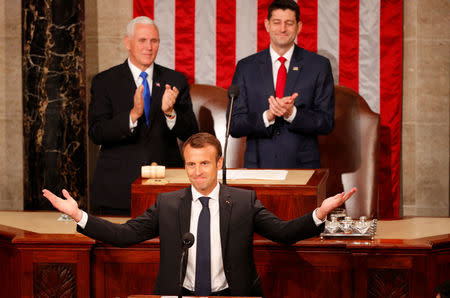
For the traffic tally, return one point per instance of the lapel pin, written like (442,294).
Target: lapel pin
(295,68)
(228,202)
(158,84)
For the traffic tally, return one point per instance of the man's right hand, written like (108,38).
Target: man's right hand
(138,108)
(68,206)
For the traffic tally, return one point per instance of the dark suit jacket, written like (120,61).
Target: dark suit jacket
(283,145)
(123,152)
(241,214)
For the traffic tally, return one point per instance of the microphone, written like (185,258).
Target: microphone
(186,241)
(233,92)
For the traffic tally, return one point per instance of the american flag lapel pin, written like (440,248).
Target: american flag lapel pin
(295,68)
(158,84)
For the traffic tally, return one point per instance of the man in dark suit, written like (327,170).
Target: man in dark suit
(138,110)
(221,262)
(286,97)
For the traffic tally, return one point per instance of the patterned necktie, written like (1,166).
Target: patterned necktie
(281,78)
(147,96)
(203,259)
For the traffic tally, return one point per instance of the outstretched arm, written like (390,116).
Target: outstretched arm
(333,202)
(68,206)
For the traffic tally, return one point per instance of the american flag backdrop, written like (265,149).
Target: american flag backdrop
(362,38)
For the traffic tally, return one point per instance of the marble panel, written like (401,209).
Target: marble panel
(410,19)
(433,19)
(408,164)
(409,81)
(433,81)
(432,166)
(54,100)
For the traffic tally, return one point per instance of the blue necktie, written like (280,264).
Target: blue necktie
(203,262)
(147,96)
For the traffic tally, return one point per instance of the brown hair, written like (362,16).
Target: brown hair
(199,140)
(283,5)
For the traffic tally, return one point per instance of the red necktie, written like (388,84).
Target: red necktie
(281,78)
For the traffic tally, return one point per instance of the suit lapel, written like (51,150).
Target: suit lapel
(157,92)
(295,67)
(225,206)
(184,212)
(265,67)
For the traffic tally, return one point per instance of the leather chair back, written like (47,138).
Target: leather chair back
(351,153)
(210,105)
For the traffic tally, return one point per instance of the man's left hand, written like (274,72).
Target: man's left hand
(169,98)
(282,107)
(333,202)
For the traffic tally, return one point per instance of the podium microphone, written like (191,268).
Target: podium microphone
(233,92)
(186,242)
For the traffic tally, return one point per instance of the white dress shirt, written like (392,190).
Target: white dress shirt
(218,279)
(136,72)
(275,67)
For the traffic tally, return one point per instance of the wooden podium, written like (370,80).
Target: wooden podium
(288,199)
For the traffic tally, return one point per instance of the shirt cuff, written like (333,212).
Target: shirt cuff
(171,121)
(317,221)
(132,125)
(267,123)
(83,221)
(291,118)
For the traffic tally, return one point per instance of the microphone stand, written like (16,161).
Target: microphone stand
(227,133)
(180,287)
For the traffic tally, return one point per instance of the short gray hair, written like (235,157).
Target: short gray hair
(138,20)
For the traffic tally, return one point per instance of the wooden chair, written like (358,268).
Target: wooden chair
(210,105)
(351,152)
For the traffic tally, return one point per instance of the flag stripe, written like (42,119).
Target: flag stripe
(369,53)
(348,43)
(328,33)
(143,8)
(263,37)
(390,106)
(308,16)
(185,38)
(165,19)
(246,28)
(226,42)
(205,45)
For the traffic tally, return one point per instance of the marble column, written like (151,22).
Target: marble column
(54,100)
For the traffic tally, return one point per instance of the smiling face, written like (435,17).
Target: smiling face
(143,45)
(201,166)
(283,28)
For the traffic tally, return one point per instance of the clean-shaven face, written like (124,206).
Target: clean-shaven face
(201,166)
(143,45)
(283,28)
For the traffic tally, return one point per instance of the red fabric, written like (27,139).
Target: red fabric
(390,107)
(263,37)
(349,43)
(143,8)
(308,16)
(225,42)
(281,78)
(185,38)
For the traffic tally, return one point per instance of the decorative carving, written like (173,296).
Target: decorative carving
(388,283)
(54,280)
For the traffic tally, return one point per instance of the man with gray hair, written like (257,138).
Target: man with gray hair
(138,110)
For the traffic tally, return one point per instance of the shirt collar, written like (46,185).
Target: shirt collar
(288,55)
(214,194)
(136,72)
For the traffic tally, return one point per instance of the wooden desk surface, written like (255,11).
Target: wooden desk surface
(46,222)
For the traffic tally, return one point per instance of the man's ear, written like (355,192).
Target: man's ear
(299,27)
(220,163)
(266,24)
(126,42)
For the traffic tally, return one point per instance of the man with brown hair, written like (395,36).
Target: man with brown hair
(223,219)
